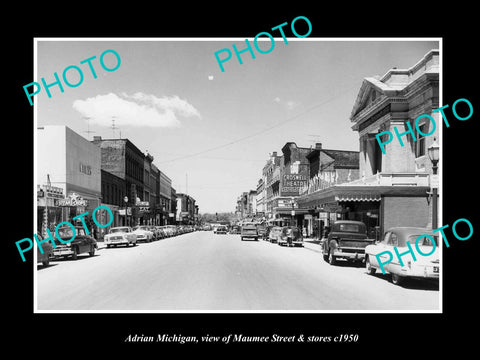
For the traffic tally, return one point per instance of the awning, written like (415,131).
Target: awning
(358,197)
(339,193)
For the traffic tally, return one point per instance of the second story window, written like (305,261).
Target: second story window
(420,143)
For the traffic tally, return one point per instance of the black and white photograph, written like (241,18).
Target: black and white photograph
(258,188)
(290,179)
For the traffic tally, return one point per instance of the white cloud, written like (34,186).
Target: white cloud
(138,109)
(277,100)
(210,77)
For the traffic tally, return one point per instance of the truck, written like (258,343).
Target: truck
(249,230)
(346,240)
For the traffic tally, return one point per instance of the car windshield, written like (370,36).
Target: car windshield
(423,241)
(141,228)
(117,230)
(66,233)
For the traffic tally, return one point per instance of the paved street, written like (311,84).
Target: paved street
(204,271)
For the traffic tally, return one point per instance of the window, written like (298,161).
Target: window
(393,240)
(420,143)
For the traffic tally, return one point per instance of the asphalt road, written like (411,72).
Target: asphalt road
(203,271)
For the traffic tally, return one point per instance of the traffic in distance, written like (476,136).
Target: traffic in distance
(346,241)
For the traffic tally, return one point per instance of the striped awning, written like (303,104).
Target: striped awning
(357,197)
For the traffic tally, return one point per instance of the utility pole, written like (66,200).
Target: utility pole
(88,127)
(113,126)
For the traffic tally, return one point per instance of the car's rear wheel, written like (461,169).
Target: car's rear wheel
(370,269)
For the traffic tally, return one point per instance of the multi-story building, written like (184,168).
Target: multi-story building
(271,174)
(113,194)
(393,189)
(70,163)
(173,207)
(186,209)
(123,159)
(260,204)
(326,168)
(289,173)
(165,197)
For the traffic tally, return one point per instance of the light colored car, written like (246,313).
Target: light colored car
(290,236)
(143,233)
(274,233)
(425,267)
(122,235)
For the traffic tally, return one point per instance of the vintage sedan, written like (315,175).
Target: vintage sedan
(424,267)
(122,235)
(290,236)
(346,240)
(47,249)
(273,233)
(222,229)
(81,243)
(143,233)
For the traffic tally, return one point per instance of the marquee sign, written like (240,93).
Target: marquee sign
(72,200)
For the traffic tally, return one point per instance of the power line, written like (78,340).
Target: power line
(258,132)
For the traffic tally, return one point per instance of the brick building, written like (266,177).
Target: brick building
(327,168)
(113,193)
(123,159)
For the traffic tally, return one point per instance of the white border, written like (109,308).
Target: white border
(337,39)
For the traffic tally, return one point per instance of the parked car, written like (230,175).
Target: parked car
(161,234)
(347,239)
(222,229)
(290,236)
(143,233)
(425,267)
(47,248)
(273,233)
(82,243)
(249,231)
(262,231)
(122,235)
(153,230)
(235,229)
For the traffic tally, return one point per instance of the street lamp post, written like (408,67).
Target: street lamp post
(126,201)
(434,155)
(292,202)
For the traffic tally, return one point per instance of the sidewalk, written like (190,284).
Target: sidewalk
(101,245)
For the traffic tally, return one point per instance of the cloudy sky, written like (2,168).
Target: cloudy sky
(208,130)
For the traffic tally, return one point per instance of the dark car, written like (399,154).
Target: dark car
(290,236)
(47,248)
(222,229)
(262,231)
(347,239)
(82,243)
(249,230)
